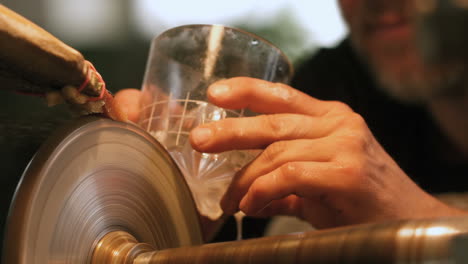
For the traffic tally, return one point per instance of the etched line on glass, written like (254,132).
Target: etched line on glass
(168,113)
(232,112)
(183,117)
(151,117)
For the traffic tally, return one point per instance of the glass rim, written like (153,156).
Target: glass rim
(257,37)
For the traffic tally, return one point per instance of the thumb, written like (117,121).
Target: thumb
(128,100)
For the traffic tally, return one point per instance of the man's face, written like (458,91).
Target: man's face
(383,33)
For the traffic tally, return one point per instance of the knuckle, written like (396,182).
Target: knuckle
(289,170)
(285,126)
(356,121)
(353,172)
(354,167)
(284,92)
(257,190)
(339,107)
(354,134)
(276,124)
(357,142)
(271,153)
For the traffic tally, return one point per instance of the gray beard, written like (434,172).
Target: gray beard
(420,86)
(417,84)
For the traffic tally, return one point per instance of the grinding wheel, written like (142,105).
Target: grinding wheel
(93,177)
(101,191)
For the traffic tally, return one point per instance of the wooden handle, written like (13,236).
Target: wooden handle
(32,61)
(34,55)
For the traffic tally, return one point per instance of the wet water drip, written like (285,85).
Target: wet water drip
(239,216)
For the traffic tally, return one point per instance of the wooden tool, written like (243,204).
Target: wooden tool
(34,62)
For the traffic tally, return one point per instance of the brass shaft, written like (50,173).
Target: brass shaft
(416,241)
(119,247)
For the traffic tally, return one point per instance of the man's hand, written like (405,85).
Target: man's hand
(320,161)
(128,101)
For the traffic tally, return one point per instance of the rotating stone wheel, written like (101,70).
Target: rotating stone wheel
(94,177)
(101,191)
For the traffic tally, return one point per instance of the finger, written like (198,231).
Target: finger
(312,210)
(273,157)
(289,205)
(259,131)
(304,179)
(128,100)
(265,97)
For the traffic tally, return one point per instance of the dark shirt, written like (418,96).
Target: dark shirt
(407,132)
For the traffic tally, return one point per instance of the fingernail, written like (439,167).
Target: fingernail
(201,135)
(218,90)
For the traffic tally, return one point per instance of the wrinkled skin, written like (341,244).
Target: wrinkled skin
(320,162)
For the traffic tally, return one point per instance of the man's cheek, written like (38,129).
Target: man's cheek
(349,9)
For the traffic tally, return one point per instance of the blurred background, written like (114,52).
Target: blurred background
(115,36)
